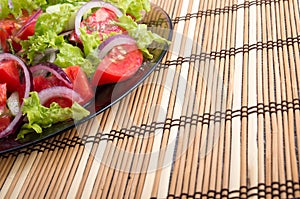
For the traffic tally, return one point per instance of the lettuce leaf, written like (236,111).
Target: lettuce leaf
(59,17)
(141,34)
(48,38)
(89,41)
(17,6)
(134,8)
(29,5)
(40,117)
(70,55)
(37,44)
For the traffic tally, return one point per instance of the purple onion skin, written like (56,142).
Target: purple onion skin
(33,17)
(118,36)
(51,67)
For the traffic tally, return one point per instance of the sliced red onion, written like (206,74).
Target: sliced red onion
(30,20)
(13,103)
(93,4)
(53,69)
(17,121)
(111,42)
(10,4)
(59,91)
(49,55)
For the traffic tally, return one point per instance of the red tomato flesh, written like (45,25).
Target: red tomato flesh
(6,28)
(3,96)
(100,21)
(4,117)
(63,102)
(4,122)
(119,65)
(26,30)
(10,29)
(41,82)
(9,74)
(80,82)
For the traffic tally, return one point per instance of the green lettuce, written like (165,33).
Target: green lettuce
(30,5)
(134,8)
(48,38)
(37,44)
(70,55)
(141,34)
(90,41)
(18,6)
(59,17)
(40,117)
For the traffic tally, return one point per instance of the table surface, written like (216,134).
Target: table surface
(219,117)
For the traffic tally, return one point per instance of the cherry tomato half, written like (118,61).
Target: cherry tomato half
(119,65)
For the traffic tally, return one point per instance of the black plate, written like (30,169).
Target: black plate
(159,22)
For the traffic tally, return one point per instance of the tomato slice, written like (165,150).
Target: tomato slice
(80,82)
(27,29)
(4,117)
(6,28)
(9,74)
(40,82)
(4,122)
(3,96)
(63,102)
(119,65)
(16,30)
(101,21)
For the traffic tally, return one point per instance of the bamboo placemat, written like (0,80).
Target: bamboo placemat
(218,118)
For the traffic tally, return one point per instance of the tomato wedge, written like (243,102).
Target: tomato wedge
(7,26)
(63,102)
(4,117)
(3,96)
(80,82)
(17,29)
(119,65)
(100,21)
(9,74)
(4,121)
(40,82)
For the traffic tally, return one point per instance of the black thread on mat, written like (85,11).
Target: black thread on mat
(204,119)
(261,189)
(194,119)
(224,10)
(246,48)
(50,145)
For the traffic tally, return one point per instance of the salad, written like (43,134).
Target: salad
(54,53)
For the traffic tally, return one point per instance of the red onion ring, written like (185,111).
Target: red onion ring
(53,69)
(17,121)
(111,42)
(30,20)
(59,91)
(90,5)
(10,4)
